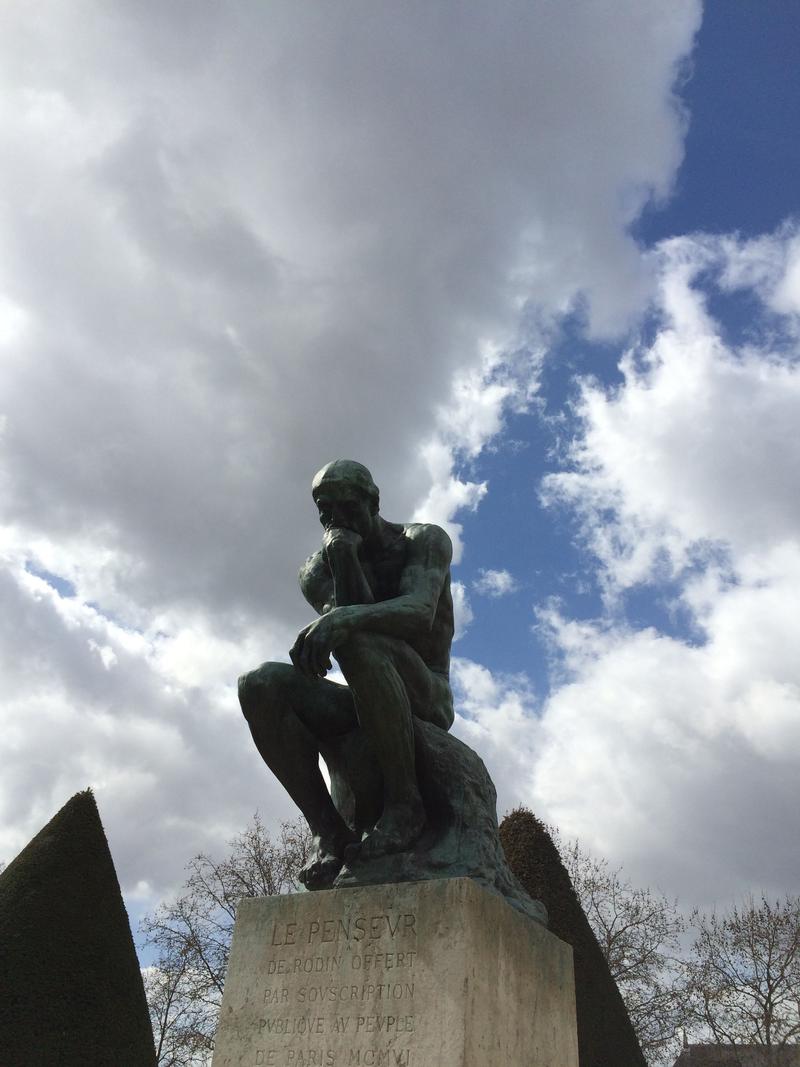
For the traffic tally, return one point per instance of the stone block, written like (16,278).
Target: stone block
(440,973)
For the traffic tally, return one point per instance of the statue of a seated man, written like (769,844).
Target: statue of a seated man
(382,591)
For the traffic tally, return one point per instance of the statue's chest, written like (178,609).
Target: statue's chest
(384,571)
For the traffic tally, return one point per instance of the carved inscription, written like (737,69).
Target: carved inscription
(357,928)
(322,964)
(339,993)
(369,1057)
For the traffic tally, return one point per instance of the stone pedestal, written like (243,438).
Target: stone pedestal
(440,973)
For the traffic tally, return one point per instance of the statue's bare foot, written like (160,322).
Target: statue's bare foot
(396,831)
(326,860)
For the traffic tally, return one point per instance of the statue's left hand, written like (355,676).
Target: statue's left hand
(311,652)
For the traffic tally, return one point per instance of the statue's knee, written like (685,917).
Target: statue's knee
(260,689)
(247,693)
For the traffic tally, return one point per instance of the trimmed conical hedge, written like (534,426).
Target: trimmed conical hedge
(605,1035)
(71,991)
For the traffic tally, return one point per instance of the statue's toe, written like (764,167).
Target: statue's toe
(388,840)
(352,852)
(321,872)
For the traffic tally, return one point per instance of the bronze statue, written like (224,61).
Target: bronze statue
(382,591)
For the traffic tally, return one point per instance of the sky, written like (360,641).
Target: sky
(538,266)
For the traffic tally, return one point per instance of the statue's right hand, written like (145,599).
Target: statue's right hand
(311,652)
(340,537)
(301,654)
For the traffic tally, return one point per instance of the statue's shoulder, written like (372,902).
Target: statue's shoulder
(429,538)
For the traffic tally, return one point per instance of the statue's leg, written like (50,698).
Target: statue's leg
(290,716)
(389,680)
(355,779)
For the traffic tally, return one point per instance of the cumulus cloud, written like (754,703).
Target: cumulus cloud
(240,241)
(676,755)
(698,447)
(140,716)
(496,716)
(449,492)
(472,417)
(462,610)
(770,264)
(495,583)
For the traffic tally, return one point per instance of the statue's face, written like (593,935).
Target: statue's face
(343,505)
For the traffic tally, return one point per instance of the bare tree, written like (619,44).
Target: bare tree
(744,974)
(639,932)
(183,1027)
(193,935)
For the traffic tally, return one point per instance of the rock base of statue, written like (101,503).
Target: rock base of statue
(439,973)
(461,838)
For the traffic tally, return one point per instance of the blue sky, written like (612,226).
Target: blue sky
(539,269)
(743,95)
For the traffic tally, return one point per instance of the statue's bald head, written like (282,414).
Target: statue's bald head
(346,473)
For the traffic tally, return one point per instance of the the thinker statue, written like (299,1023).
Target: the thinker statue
(382,591)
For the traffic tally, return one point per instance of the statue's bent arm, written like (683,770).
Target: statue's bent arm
(412,612)
(316,583)
(408,616)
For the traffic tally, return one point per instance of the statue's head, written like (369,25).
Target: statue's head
(346,496)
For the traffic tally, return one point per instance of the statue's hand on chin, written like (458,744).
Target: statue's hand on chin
(340,537)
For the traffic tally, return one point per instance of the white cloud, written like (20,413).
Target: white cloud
(462,609)
(681,761)
(238,242)
(496,717)
(473,416)
(696,449)
(13,321)
(495,583)
(680,758)
(448,493)
(139,716)
(770,264)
